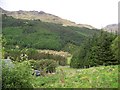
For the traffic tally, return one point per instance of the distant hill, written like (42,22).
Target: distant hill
(111,28)
(43,16)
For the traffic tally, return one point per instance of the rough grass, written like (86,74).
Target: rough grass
(66,77)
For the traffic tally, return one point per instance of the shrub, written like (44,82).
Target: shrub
(18,76)
(14,54)
(61,59)
(45,65)
(28,54)
(21,54)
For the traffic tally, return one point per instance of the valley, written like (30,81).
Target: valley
(66,54)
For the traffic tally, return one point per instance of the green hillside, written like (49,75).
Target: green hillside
(42,35)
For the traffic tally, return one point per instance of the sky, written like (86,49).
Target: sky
(97,13)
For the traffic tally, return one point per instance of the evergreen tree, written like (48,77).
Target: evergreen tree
(75,61)
(115,47)
(96,51)
(101,53)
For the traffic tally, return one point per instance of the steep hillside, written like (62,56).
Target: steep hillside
(45,17)
(42,35)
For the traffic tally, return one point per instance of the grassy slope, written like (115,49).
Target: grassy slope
(95,77)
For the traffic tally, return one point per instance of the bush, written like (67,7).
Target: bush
(21,54)
(14,54)
(28,54)
(61,59)
(19,76)
(45,65)
(32,54)
(35,55)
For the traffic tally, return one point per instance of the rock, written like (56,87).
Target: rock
(8,62)
(37,72)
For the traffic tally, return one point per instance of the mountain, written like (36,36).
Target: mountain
(37,34)
(43,16)
(111,28)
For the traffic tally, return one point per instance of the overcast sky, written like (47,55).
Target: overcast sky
(97,13)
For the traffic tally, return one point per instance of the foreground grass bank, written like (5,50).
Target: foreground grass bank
(66,77)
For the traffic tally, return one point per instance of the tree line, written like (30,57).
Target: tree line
(102,49)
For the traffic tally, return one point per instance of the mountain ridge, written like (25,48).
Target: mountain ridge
(43,16)
(113,28)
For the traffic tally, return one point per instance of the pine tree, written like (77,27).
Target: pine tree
(94,52)
(101,53)
(115,47)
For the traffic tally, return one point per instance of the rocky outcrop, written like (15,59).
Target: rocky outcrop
(45,17)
